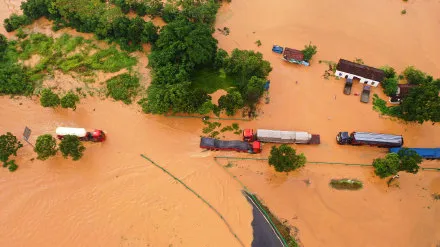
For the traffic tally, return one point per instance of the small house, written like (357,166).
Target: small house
(294,56)
(402,92)
(365,74)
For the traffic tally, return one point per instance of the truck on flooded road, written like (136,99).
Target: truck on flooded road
(238,146)
(280,136)
(369,138)
(426,153)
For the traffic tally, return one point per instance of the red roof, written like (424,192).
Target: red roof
(360,70)
(290,53)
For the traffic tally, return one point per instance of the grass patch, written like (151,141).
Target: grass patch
(211,80)
(229,165)
(346,184)
(282,228)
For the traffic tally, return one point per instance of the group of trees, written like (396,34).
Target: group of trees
(51,99)
(285,159)
(70,145)
(13,77)
(94,16)
(422,102)
(309,51)
(9,145)
(405,160)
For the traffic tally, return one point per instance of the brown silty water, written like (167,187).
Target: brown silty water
(112,197)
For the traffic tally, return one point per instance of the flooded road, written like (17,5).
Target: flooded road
(112,197)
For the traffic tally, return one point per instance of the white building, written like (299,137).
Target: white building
(365,74)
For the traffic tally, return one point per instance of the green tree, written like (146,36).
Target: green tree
(15,21)
(45,147)
(409,160)
(422,104)
(70,145)
(255,89)
(309,51)
(14,80)
(414,76)
(244,64)
(200,10)
(49,98)
(69,100)
(285,159)
(220,58)
(12,167)
(3,45)
(390,86)
(389,71)
(35,9)
(385,167)
(8,146)
(231,102)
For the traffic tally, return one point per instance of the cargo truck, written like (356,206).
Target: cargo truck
(368,138)
(426,153)
(280,136)
(239,146)
(82,134)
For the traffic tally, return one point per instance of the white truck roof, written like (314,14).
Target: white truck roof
(296,136)
(80,132)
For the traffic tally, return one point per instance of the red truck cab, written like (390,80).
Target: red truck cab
(248,135)
(98,136)
(256,147)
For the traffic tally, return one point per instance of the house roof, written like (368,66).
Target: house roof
(290,53)
(404,89)
(360,70)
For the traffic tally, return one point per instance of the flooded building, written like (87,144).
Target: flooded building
(402,92)
(294,56)
(365,74)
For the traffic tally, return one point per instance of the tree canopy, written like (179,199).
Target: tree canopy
(405,160)
(70,145)
(243,64)
(421,104)
(9,145)
(414,76)
(309,51)
(49,98)
(285,159)
(45,147)
(69,100)
(123,87)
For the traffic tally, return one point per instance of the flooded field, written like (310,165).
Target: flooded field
(113,197)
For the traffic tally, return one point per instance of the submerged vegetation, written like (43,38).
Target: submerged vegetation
(346,184)
(422,102)
(405,160)
(123,87)
(285,159)
(9,145)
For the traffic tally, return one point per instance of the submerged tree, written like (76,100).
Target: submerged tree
(285,159)
(45,147)
(9,145)
(309,51)
(71,146)
(69,100)
(49,98)
(405,160)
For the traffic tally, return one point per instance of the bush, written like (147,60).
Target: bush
(390,86)
(69,100)
(346,184)
(231,102)
(9,145)
(12,167)
(388,71)
(123,87)
(14,80)
(49,98)
(71,146)
(285,159)
(15,21)
(309,51)
(45,147)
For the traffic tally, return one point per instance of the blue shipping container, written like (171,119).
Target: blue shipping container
(426,153)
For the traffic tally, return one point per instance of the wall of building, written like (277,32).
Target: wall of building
(363,80)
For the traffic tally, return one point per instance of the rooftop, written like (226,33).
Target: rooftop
(360,70)
(290,53)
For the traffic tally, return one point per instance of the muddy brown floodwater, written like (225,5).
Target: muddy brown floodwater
(113,197)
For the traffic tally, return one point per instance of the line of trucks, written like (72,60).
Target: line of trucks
(252,140)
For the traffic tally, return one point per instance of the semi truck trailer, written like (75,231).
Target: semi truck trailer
(368,138)
(82,134)
(280,136)
(426,153)
(239,146)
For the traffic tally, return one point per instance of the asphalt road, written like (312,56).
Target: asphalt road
(264,234)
